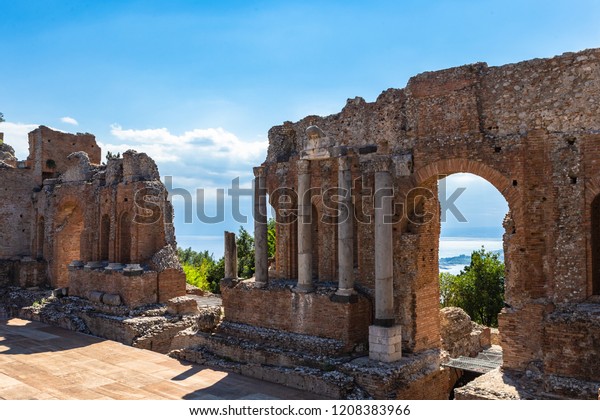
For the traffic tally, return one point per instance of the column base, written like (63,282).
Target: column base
(303,288)
(229,282)
(385,343)
(260,284)
(345,296)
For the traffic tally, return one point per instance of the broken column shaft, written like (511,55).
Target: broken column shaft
(230,256)
(261,249)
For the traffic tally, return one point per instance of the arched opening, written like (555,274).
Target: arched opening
(40,237)
(471,265)
(595,225)
(124,247)
(104,237)
(67,241)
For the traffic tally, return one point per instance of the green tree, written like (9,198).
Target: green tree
(110,155)
(245,252)
(201,269)
(478,289)
(215,274)
(1,117)
(271,237)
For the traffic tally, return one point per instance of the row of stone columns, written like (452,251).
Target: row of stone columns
(383,234)
(384,336)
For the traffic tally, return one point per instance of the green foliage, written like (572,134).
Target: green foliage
(271,237)
(215,273)
(245,252)
(200,268)
(1,117)
(203,271)
(478,289)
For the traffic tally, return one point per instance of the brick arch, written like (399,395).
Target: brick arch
(457,165)
(427,306)
(592,194)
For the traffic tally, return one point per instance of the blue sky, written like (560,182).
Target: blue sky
(198,84)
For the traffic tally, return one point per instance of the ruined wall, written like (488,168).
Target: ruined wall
(76,209)
(16,212)
(531,129)
(49,150)
(313,314)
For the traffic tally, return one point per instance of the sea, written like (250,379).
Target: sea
(452,247)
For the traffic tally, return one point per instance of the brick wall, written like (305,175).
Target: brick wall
(530,129)
(311,313)
(134,290)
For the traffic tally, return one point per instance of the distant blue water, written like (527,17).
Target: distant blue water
(454,247)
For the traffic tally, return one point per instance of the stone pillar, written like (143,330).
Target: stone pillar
(305,283)
(385,338)
(384,257)
(230,256)
(345,227)
(261,249)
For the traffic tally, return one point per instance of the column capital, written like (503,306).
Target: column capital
(303,166)
(381,164)
(344,163)
(259,171)
(376,164)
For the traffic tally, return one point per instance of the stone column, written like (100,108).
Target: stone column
(345,227)
(384,285)
(230,256)
(305,283)
(385,338)
(261,249)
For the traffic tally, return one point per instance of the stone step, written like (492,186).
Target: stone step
(302,343)
(329,384)
(242,350)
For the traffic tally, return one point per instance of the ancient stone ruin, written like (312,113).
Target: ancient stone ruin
(355,198)
(99,231)
(350,308)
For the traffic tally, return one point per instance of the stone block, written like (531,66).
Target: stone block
(111,299)
(96,296)
(182,305)
(385,343)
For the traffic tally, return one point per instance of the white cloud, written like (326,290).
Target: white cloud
(69,120)
(200,157)
(16,135)
(209,143)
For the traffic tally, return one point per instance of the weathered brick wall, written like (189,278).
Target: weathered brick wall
(171,283)
(134,290)
(531,129)
(77,209)
(571,342)
(49,149)
(312,313)
(15,212)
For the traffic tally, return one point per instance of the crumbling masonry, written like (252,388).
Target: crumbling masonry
(99,231)
(531,129)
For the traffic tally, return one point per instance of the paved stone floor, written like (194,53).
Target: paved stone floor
(38,361)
